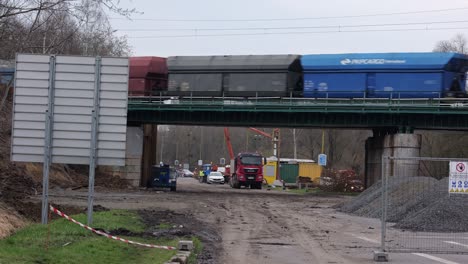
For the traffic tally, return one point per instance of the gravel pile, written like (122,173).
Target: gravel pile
(448,214)
(414,203)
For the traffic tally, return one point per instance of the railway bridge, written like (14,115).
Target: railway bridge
(391,120)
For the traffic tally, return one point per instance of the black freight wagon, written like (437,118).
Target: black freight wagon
(246,76)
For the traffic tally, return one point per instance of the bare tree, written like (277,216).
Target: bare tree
(12,8)
(97,37)
(456,44)
(60,26)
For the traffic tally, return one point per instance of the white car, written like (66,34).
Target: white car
(215,177)
(187,173)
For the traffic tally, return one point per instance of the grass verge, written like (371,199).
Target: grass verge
(198,247)
(69,243)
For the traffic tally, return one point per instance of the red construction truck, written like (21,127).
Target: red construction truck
(246,168)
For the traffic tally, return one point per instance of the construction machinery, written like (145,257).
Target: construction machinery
(246,168)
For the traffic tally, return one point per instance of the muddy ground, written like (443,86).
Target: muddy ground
(240,226)
(248,226)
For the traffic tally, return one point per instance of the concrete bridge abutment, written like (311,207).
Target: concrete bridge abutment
(140,155)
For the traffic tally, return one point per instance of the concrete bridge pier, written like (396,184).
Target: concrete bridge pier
(140,155)
(396,144)
(149,158)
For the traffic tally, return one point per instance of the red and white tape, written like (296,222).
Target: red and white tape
(55,210)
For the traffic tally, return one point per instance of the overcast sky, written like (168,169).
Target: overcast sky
(326,25)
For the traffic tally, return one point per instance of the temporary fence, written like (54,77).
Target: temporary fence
(424,205)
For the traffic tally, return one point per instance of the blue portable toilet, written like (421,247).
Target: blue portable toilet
(385,75)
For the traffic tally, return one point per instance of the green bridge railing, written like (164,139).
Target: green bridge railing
(277,104)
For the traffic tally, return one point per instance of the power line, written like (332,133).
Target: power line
(292,19)
(305,27)
(303,32)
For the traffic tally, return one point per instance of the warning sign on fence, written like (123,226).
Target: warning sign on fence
(458,179)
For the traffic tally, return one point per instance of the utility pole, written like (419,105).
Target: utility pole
(247,141)
(189,151)
(276,140)
(162,147)
(323,141)
(201,142)
(256,138)
(44,43)
(294,140)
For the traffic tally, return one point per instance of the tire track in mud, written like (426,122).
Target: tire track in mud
(295,230)
(248,231)
(257,233)
(318,232)
(237,231)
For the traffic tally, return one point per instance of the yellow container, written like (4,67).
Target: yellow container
(269,172)
(310,170)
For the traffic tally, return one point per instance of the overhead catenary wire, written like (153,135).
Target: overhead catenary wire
(293,19)
(295,27)
(298,32)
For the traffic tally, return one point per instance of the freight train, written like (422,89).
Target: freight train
(372,75)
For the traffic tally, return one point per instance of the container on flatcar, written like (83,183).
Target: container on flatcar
(251,75)
(385,75)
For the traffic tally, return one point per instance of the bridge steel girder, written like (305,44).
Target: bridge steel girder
(312,119)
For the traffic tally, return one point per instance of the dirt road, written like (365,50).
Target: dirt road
(253,226)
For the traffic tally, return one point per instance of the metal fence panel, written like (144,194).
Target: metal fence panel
(419,213)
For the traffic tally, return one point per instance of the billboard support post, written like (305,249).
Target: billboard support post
(94,131)
(48,143)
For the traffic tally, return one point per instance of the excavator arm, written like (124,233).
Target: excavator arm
(228,143)
(260,132)
(274,137)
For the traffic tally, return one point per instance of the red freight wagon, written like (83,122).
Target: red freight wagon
(147,76)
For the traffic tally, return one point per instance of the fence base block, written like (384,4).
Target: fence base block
(380,256)
(186,245)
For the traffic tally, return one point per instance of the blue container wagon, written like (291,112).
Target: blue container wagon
(385,75)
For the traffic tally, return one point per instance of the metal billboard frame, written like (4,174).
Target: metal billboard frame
(80,81)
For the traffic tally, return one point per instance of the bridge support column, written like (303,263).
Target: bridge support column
(133,158)
(374,151)
(133,155)
(398,145)
(149,152)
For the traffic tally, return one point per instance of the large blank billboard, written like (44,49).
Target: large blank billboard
(74,82)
